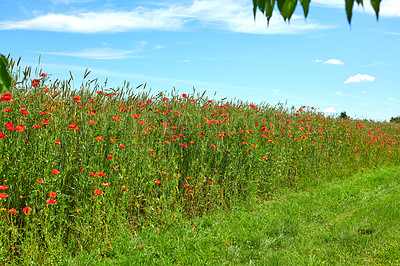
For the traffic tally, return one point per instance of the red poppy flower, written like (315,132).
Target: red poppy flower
(3,195)
(12,211)
(55,172)
(24,112)
(158,182)
(105,184)
(39,181)
(5,97)
(186,185)
(92,174)
(122,145)
(109,157)
(4,187)
(2,135)
(184,95)
(43,75)
(252,106)
(37,126)
(191,191)
(7,110)
(74,126)
(9,125)
(57,142)
(27,210)
(100,139)
(76,98)
(123,188)
(209,182)
(97,192)
(46,121)
(51,201)
(184,145)
(20,127)
(101,174)
(35,83)
(52,195)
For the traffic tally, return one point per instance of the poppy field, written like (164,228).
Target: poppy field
(80,166)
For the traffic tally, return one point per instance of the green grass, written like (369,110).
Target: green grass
(353,221)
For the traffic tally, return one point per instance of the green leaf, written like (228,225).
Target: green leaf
(269,9)
(287,8)
(255,4)
(265,6)
(305,4)
(375,4)
(360,2)
(349,9)
(5,77)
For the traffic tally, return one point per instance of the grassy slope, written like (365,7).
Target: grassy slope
(363,213)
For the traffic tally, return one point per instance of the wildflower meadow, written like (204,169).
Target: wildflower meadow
(78,166)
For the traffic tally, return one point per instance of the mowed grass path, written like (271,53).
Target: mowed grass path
(353,221)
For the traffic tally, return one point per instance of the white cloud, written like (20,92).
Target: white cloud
(329,110)
(360,78)
(235,16)
(390,98)
(338,93)
(276,91)
(334,62)
(330,61)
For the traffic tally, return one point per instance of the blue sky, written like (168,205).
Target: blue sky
(217,46)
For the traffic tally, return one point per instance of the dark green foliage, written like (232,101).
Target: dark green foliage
(395,119)
(287,7)
(343,115)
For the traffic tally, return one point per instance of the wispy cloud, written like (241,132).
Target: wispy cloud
(68,2)
(390,98)
(360,78)
(107,21)
(235,16)
(376,64)
(97,53)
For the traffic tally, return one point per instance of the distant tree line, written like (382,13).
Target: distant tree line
(395,119)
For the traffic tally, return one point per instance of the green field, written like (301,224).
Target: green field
(89,174)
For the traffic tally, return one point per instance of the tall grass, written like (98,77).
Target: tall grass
(118,159)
